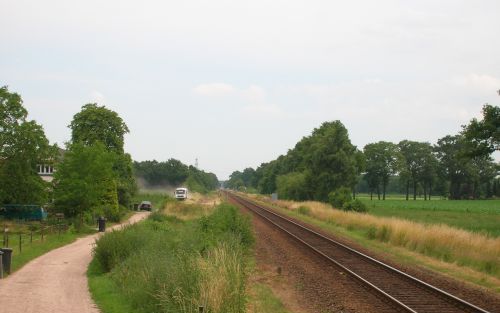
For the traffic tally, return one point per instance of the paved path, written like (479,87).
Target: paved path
(55,282)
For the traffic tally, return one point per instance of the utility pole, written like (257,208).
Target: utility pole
(196,163)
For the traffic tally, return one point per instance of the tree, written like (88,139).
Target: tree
(418,165)
(331,160)
(97,123)
(292,186)
(85,181)
(483,137)
(454,166)
(23,146)
(381,163)
(12,115)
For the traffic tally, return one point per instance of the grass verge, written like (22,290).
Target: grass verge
(166,264)
(33,250)
(263,300)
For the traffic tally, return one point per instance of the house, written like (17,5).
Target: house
(47,170)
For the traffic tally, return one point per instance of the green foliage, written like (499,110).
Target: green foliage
(201,181)
(304,210)
(483,137)
(292,186)
(172,172)
(116,246)
(339,197)
(85,181)
(324,161)
(237,179)
(165,265)
(23,146)
(126,185)
(381,163)
(418,165)
(354,205)
(468,178)
(226,219)
(98,124)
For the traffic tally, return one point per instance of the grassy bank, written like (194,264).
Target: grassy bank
(471,255)
(167,264)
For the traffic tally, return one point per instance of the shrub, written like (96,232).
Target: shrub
(116,246)
(340,196)
(355,205)
(304,210)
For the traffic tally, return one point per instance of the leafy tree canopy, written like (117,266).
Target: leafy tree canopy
(97,123)
(23,146)
(85,180)
(483,137)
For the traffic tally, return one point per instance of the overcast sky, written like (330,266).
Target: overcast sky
(237,83)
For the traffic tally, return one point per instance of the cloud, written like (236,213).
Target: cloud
(263,109)
(252,99)
(214,89)
(97,97)
(481,82)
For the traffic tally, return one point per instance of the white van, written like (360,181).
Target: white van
(181,193)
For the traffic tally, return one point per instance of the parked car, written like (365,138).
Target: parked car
(145,205)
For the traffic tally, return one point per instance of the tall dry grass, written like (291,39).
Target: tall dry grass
(452,245)
(222,280)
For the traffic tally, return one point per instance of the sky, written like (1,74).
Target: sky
(237,83)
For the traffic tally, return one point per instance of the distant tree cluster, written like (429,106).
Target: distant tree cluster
(175,173)
(318,165)
(456,167)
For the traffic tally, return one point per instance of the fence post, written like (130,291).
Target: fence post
(31,237)
(1,265)
(20,242)
(41,230)
(6,237)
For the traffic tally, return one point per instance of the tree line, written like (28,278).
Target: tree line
(175,173)
(457,167)
(93,174)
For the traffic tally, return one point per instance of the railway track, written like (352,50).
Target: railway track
(404,292)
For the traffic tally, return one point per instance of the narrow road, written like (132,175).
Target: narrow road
(55,282)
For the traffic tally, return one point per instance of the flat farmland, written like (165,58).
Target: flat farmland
(474,215)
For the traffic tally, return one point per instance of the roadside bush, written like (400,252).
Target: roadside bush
(355,205)
(114,247)
(340,196)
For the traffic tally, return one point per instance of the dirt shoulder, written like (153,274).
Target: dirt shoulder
(56,281)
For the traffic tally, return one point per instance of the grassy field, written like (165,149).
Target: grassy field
(481,216)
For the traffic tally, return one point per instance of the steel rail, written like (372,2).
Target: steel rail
(451,298)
